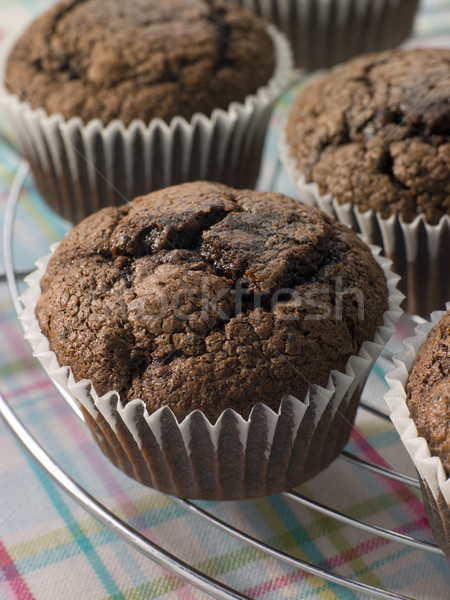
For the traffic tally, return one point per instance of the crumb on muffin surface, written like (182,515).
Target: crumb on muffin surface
(203,296)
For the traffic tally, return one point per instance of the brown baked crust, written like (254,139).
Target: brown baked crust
(140,60)
(145,299)
(428,391)
(376,132)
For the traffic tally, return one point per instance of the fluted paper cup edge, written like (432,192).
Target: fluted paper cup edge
(429,467)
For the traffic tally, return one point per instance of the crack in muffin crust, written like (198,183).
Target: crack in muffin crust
(194,297)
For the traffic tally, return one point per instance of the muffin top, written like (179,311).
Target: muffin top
(140,59)
(376,132)
(200,296)
(428,391)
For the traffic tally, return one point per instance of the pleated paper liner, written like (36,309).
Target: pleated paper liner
(234,458)
(324,33)
(80,168)
(435,485)
(419,251)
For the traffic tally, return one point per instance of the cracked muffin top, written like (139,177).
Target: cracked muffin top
(140,59)
(200,296)
(428,391)
(376,132)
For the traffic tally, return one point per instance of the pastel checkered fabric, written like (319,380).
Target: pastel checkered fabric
(51,549)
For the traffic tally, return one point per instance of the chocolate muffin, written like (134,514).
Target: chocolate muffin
(217,340)
(376,132)
(140,60)
(369,142)
(204,297)
(419,399)
(428,391)
(110,100)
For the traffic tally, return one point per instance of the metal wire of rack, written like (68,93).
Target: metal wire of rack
(152,550)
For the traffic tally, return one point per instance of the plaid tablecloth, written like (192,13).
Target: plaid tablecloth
(51,549)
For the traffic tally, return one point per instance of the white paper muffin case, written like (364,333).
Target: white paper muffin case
(434,483)
(234,458)
(80,168)
(419,251)
(324,33)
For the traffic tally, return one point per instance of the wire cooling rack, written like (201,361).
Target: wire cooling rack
(153,551)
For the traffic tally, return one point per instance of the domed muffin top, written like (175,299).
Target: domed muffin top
(200,296)
(428,391)
(376,132)
(140,59)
